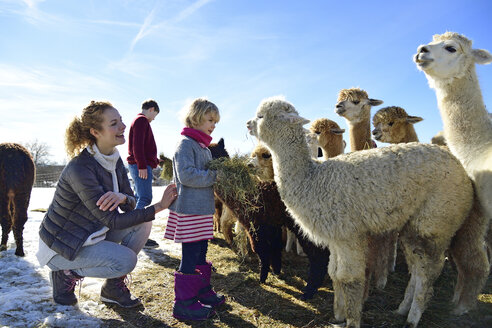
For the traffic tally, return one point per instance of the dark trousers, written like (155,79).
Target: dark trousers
(193,254)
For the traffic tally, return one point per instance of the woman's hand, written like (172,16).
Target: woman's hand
(110,200)
(168,197)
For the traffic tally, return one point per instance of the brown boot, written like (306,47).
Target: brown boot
(63,283)
(115,291)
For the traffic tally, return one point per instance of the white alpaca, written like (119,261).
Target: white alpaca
(341,201)
(449,65)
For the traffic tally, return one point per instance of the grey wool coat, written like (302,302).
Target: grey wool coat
(73,214)
(194,181)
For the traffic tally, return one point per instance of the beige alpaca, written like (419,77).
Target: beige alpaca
(449,65)
(393,125)
(330,137)
(355,106)
(401,186)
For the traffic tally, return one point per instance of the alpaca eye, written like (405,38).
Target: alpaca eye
(266,156)
(390,123)
(356,102)
(450,49)
(260,116)
(317,132)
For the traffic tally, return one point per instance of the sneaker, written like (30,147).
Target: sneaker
(116,291)
(151,244)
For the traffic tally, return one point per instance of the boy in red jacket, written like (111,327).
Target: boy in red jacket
(142,156)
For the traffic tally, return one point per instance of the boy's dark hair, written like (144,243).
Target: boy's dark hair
(149,104)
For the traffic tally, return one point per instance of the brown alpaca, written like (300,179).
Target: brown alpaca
(330,137)
(17,172)
(355,106)
(393,125)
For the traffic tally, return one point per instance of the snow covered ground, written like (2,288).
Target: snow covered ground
(25,292)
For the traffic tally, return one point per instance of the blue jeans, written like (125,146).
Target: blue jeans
(143,188)
(108,258)
(192,254)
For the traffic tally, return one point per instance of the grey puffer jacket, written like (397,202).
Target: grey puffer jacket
(73,214)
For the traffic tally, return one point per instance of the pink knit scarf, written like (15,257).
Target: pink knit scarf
(202,138)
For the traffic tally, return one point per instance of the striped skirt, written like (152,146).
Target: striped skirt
(183,228)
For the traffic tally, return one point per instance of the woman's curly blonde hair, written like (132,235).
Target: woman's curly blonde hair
(78,135)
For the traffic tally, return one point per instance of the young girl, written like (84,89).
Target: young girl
(190,217)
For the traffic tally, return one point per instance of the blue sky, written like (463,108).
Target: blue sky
(57,55)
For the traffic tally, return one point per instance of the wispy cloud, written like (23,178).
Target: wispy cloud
(147,28)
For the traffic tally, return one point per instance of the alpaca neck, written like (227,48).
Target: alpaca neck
(360,135)
(289,155)
(410,135)
(467,127)
(332,149)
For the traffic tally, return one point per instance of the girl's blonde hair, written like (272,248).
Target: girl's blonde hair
(78,134)
(198,109)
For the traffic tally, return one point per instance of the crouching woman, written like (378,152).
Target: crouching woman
(83,234)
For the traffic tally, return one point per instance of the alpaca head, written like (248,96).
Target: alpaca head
(261,158)
(330,136)
(355,105)
(449,56)
(439,139)
(313,144)
(391,124)
(276,119)
(218,149)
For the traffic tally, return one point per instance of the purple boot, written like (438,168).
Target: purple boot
(186,304)
(206,295)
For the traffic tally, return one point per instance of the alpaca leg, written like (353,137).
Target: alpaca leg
(393,246)
(290,241)
(21,206)
(471,260)
(411,259)
(300,251)
(318,266)
(338,302)
(6,222)
(428,269)
(351,274)
(227,221)
(276,249)
(383,247)
(263,250)
(488,243)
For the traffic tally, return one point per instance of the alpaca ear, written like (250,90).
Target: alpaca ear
(221,142)
(414,119)
(337,131)
(374,102)
(293,118)
(481,56)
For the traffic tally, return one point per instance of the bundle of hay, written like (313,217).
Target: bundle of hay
(235,179)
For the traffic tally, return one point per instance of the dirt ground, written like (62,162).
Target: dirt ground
(276,303)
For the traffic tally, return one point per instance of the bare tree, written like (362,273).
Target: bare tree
(39,151)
